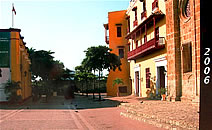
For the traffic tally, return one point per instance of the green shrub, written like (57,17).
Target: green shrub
(11,89)
(162,91)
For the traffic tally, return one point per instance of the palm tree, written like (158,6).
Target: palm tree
(118,81)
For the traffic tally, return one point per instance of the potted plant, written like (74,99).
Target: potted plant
(12,89)
(162,92)
(118,81)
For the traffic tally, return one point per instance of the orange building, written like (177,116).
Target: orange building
(14,62)
(117,26)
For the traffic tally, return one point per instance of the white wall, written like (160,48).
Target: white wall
(3,80)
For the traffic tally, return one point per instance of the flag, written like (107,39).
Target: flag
(13,10)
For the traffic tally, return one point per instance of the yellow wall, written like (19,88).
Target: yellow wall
(20,64)
(139,5)
(147,61)
(15,57)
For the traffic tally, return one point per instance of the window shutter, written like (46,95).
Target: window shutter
(187,57)
(147,78)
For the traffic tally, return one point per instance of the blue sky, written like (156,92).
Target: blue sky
(65,27)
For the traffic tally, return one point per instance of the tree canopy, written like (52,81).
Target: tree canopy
(47,72)
(42,63)
(100,58)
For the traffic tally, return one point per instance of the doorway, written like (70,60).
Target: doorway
(162,76)
(161,71)
(137,90)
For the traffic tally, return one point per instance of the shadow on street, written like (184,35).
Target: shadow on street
(59,102)
(83,102)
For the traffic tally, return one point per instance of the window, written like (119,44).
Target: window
(135,9)
(147,78)
(136,14)
(145,39)
(121,53)
(157,33)
(144,6)
(129,47)
(136,44)
(187,57)
(187,9)
(128,29)
(118,31)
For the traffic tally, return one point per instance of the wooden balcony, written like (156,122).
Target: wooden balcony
(107,39)
(143,15)
(135,23)
(146,48)
(154,5)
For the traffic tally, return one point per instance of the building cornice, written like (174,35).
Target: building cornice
(10,30)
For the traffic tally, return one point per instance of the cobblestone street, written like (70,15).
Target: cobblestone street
(169,115)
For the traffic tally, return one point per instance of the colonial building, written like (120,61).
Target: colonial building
(14,62)
(183,49)
(147,46)
(117,26)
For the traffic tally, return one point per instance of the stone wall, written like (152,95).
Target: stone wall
(183,27)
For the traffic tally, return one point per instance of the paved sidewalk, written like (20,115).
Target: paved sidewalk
(163,114)
(169,115)
(105,114)
(81,113)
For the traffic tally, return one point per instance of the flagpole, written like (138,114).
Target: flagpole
(12,16)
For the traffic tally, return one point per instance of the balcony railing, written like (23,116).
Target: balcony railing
(151,45)
(135,23)
(143,15)
(107,39)
(154,5)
